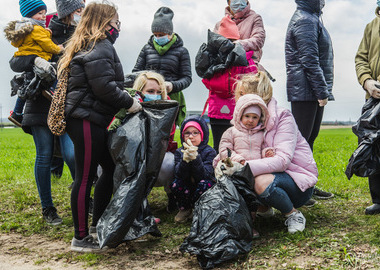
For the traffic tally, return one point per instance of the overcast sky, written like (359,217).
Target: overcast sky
(344,19)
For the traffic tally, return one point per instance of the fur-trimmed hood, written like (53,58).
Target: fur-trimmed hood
(18,30)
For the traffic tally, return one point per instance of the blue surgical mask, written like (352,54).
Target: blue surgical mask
(161,40)
(378,3)
(238,5)
(149,97)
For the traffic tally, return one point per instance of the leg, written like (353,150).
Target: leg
(67,151)
(218,127)
(165,179)
(202,186)
(374,188)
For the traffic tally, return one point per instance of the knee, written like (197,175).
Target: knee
(262,182)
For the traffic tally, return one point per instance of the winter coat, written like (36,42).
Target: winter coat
(98,76)
(367,60)
(31,39)
(61,32)
(309,55)
(251,30)
(293,154)
(201,168)
(245,144)
(174,65)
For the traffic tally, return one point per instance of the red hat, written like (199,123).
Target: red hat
(228,28)
(193,124)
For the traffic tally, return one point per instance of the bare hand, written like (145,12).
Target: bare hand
(169,87)
(373,90)
(322,102)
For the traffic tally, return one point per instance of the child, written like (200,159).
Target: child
(194,173)
(35,47)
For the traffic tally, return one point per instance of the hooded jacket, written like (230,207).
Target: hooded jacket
(251,30)
(245,144)
(201,168)
(309,54)
(367,60)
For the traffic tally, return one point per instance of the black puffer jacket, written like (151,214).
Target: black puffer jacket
(99,72)
(174,65)
(61,32)
(309,54)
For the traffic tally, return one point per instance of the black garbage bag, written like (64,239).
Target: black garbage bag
(222,224)
(365,161)
(137,147)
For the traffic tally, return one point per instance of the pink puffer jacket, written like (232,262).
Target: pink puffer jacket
(251,30)
(245,144)
(293,154)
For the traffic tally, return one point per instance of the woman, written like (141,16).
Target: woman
(96,82)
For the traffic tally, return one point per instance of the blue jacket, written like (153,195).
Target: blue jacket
(309,54)
(200,168)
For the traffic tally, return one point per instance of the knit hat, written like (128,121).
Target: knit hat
(228,28)
(29,8)
(193,124)
(66,7)
(253,109)
(162,21)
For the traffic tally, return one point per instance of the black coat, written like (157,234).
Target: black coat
(309,54)
(174,65)
(98,75)
(61,32)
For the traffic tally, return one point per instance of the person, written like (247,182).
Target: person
(194,173)
(310,71)
(164,53)
(368,74)
(221,83)
(97,93)
(286,180)
(34,46)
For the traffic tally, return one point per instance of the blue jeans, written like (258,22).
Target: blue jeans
(284,194)
(44,142)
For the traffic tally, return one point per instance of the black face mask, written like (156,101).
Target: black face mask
(114,33)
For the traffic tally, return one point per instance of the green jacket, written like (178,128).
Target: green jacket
(367,59)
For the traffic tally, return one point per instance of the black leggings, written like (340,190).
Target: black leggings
(218,127)
(308,116)
(90,144)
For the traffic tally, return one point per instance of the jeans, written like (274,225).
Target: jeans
(284,194)
(19,106)
(44,142)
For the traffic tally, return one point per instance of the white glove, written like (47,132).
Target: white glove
(222,168)
(370,86)
(190,151)
(136,107)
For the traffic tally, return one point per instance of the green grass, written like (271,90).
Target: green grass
(337,236)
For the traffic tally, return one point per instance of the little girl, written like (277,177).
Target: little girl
(194,173)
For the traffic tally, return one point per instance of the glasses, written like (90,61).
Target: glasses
(117,23)
(195,133)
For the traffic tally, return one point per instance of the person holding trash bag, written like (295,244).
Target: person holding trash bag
(194,173)
(286,180)
(95,91)
(368,74)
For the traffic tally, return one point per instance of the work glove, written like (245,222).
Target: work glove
(116,121)
(136,107)
(222,168)
(190,152)
(373,88)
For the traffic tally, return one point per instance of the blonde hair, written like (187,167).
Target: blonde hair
(258,84)
(91,29)
(143,78)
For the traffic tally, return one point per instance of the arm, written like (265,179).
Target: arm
(184,72)
(140,62)
(182,169)
(227,142)
(363,69)
(257,37)
(203,169)
(43,39)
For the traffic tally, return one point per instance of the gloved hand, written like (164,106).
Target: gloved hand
(136,107)
(115,123)
(322,102)
(190,152)
(222,168)
(370,86)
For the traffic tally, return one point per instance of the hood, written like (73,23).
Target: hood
(312,6)
(204,126)
(243,103)
(18,30)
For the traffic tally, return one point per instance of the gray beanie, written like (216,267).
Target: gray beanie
(66,7)
(162,21)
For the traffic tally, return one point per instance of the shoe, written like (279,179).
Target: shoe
(296,222)
(48,93)
(50,216)
(255,234)
(373,209)
(322,195)
(310,203)
(183,215)
(93,232)
(91,206)
(172,204)
(15,118)
(267,214)
(87,244)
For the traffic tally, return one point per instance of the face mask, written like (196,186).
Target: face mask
(76,19)
(161,40)
(149,97)
(238,5)
(114,33)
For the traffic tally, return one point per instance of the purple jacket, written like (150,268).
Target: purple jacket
(293,154)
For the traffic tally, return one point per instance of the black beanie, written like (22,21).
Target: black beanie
(162,21)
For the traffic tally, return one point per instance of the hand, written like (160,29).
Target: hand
(191,150)
(61,46)
(116,122)
(221,168)
(49,30)
(269,153)
(322,102)
(169,87)
(136,107)
(370,86)
(186,157)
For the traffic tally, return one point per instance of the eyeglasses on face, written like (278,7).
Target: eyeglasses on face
(194,133)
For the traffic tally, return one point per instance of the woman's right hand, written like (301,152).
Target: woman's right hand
(373,90)
(136,106)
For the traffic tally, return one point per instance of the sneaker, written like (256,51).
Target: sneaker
(15,118)
(310,203)
(91,206)
(87,244)
(183,215)
(267,214)
(50,216)
(296,222)
(322,195)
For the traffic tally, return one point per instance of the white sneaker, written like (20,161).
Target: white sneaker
(267,214)
(296,222)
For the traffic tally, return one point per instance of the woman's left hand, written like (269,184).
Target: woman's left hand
(169,87)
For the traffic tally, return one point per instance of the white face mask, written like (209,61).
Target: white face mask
(76,19)
(238,5)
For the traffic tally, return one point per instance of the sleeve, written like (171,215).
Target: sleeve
(362,67)
(184,72)
(203,169)
(257,37)
(181,168)
(43,38)
(140,62)
(227,142)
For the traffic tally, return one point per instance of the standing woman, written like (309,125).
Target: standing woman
(164,53)
(95,88)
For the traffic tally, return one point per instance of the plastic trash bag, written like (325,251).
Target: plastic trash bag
(365,161)
(222,224)
(137,147)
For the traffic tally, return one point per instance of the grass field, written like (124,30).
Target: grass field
(337,236)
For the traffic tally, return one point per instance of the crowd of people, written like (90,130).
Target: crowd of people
(247,124)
